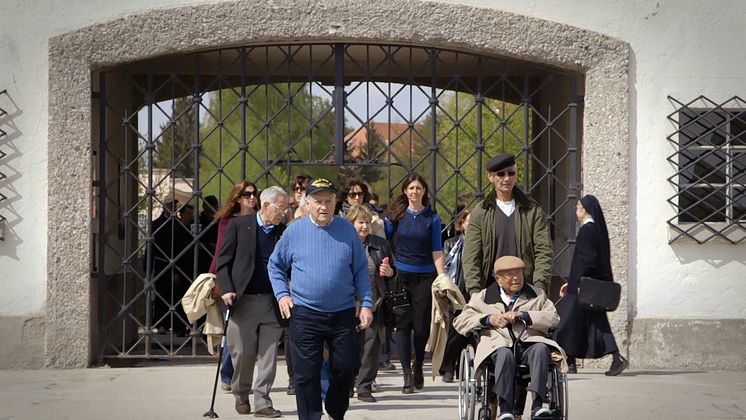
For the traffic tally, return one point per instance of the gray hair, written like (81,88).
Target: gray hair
(271,194)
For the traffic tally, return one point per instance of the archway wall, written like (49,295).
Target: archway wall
(75,57)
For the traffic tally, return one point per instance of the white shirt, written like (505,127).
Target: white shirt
(588,220)
(507,207)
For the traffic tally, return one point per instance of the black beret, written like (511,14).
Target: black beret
(500,162)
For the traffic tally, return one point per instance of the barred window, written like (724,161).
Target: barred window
(710,176)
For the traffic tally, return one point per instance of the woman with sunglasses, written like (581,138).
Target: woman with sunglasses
(299,190)
(243,200)
(415,232)
(358,193)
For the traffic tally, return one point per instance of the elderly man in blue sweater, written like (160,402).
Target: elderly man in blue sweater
(329,269)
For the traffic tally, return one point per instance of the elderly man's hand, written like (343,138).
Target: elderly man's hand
(502,320)
(228,298)
(366,318)
(286,304)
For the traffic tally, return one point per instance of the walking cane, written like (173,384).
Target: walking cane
(211,412)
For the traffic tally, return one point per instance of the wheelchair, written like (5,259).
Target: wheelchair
(475,387)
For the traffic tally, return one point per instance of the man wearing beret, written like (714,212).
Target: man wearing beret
(329,268)
(507,222)
(494,310)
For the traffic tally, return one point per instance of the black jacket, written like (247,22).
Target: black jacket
(378,249)
(238,254)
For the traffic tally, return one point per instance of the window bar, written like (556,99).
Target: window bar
(573,151)
(480,135)
(526,149)
(434,128)
(244,103)
(339,99)
(197,149)
(150,192)
(101,213)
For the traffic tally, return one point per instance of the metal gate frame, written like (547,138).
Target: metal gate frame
(540,132)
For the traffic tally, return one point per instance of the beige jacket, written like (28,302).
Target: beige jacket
(533,300)
(197,302)
(441,317)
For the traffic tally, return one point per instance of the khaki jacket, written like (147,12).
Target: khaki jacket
(532,236)
(197,302)
(440,317)
(533,300)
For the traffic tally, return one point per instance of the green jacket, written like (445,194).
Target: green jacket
(531,233)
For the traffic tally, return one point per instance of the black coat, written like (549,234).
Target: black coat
(583,333)
(238,254)
(378,249)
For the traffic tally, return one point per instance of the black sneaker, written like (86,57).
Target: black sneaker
(448,377)
(572,368)
(366,397)
(386,366)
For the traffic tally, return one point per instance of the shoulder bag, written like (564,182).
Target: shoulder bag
(598,295)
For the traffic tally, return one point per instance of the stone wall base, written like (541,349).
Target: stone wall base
(22,343)
(689,344)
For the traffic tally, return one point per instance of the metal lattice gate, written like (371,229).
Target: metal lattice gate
(174,130)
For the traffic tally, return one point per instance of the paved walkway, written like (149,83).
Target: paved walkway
(166,391)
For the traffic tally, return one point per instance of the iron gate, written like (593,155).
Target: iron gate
(184,127)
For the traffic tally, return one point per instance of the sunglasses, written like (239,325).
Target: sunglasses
(502,174)
(248,194)
(298,188)
(355,194)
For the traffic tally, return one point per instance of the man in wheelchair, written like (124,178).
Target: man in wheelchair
(496,310)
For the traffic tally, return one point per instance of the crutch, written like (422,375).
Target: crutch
(211,412)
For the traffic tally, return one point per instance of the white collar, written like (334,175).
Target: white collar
(588,220)
(507,207)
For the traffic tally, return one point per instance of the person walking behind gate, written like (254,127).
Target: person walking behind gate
(506,222)
(329,268)
(253,330)
(242,201)
(582,333)
(414,230)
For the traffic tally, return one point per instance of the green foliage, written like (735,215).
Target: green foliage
(279,133)
(503,130)
(174,146)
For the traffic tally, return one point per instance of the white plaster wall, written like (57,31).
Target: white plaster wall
(682,48)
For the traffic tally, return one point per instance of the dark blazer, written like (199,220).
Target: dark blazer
(237,254)
(378,249)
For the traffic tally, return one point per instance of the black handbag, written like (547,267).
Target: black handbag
(598,295)
(397,307)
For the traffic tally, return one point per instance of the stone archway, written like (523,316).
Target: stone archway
(75,56)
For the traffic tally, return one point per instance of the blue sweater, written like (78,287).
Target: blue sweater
(417,236)
(329,266)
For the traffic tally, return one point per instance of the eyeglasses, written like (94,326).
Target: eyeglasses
(355,194)
(248,194)
(298,188)
(281,209)
(502,174)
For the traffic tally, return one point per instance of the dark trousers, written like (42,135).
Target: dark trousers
(536,357)
(420,294)
(288,356)
(454,345)
(369,346)
(309,330)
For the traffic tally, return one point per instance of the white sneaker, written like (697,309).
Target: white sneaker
(506,416)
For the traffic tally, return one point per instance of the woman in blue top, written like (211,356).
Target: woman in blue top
(414,230)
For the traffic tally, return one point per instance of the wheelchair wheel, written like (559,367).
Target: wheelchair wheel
(467,386)
(560,400)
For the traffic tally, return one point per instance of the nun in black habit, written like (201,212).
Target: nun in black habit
(587,334)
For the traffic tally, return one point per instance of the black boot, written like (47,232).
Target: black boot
(571,366)
(617,365)
(417,377)
(408,388)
